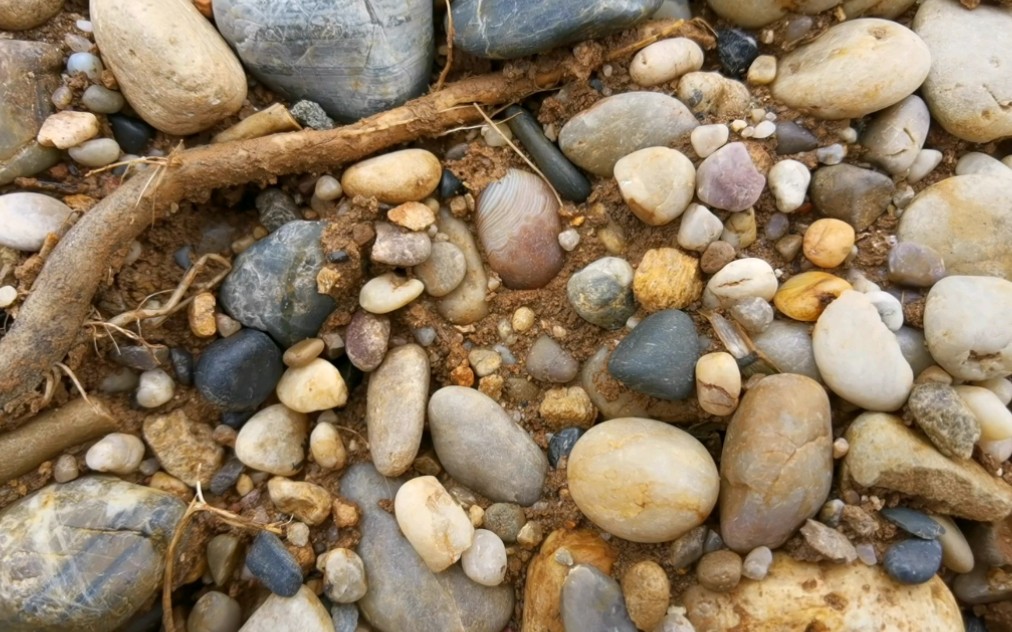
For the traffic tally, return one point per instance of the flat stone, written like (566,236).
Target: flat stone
(271,441)
(103,533)
(897,135)
(828,542)
(601,293)
(616,126)
(945,418)
(28,218)
(592,601)
(406,175)
(852,194)
(853,69)
(403,593)
(466,303)
(913,561)
(395,408)
(789,346)
(885,453)
(29,72)
(302,612)
(221,375)
(968,326)
(793,138)
(270,562)
(659,356)
(667,278)
(399,248)
(728,179)
(480,446)
(913,522)
(777,462)
(185,448)
(366,339)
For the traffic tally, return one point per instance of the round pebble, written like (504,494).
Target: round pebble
(315,386)
(699,228)
(28,218)
(719,571)
(407,175)
(344,579)
(956,552)
(728,179)
(117,453)
(549,362)
(87,63)
(718,383)
(968,326)
(96,153)
(789,181)
(326,446)
(155,388)
(65,469)
(740,279)
(647,592)
(601,293)
(485,561)
(991,414)
(657,183)
(214,612)
(102,100)
(303,352)
(443,271)
(763,70)
(913,561)
(915,264)
(665,61)
(707,139)
(271,441)
(327,188)
(221,377)
(828,242)
(658,356)
(757,563)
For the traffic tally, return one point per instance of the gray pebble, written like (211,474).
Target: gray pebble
(852,194)
(941,413)
(688,548)
(592,602)
(794,139)
(310,114)
(549,362)
(913,522)
(400,248)
(276,208)
(271,563)
(443,271)
(102,100)
(140,357)
(505,520)
(344,617)
(754,313)
(659,356)
(913,561)
(912,264)
(601,293)
(98,152)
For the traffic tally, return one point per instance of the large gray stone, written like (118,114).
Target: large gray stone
(403,593)
(395,408)
(659,356)
(29,73)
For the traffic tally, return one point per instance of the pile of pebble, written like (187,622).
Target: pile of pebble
(758,317)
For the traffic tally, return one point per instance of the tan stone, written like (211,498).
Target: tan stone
(804,296)
(667,278)
(67,129)
(828,242)
(184,448)
(646,590)
(412,215)
(408,175)
(718,383)
(566,407)
(200,314)
(308,502)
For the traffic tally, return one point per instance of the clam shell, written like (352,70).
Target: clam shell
(518,226)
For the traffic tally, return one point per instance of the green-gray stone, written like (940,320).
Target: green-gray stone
(940,412)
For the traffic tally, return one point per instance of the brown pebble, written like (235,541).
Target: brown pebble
(345,513)
(172,485)
(789,246)
(462,375)
(828,242)
(224,435)
(667,278)
(201,315)
(719,571)
(303,352)
(647,591)
(717,255)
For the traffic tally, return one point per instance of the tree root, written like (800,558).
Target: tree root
(50,319)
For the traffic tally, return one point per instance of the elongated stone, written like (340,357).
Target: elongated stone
(29,72)
(395,408)
(564,176)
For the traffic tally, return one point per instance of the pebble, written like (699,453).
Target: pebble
(665,61)
(601,293)
(991,414)
(273,565)
(858,357)
(116,452)
(484,361)
(276,208)
(865,51)
(688,548)
(885,453)
(20,16)
(214,612)
(755,13)
(889,309)
(410,215)
(65,469)
(763,70)
(443,271)
(562,407)
(897,134)
(658,356)
(316,386)
(980,163)
(793,138)
(719,571)
(565,178)
(505,520)
(913,561)
(728,179)
(967,326)
(227,475)
(302,611)
(395,408)
(169,86)
(707,139)
(200,315)
(306,501)
(407,175)
(778,443)
(788,345)
(592,602)
(102,100)
(389,292)
(67,129)
(924,163)
(497,31)
(1001,387)
(547,361)
(184,447)
(717,255)
(223,557)
(736,51)
(31,73)
(913,522)
(271,441)
(303,352)
(757,563)
(95,153)
(220,375)
(740,229)
(618,453)
(154,388)
(344,578)
(915,265)
(326,446)
(345,617)
(711,94)
(828,542)
(561,444)
(718,383)
(28,217)
(132,135)
(596,138)
(485,561)
(182,365)
(945,418)
(799,594)
(657,183)
(968,88)
(789,181)
(367,338)
(403,593)
(852,194)
(272,285)
(480,446)
(466,303)
(699,228)
(805,296)
(87,63)
(96,532)
(667,278)
(740,279)
(754,314)
(647,591)
(828,242)
(398,248)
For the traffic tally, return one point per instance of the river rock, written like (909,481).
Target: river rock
(185,448)
(967,220)
(885,453)
(23,15)
(177,89)
(406,175)
(659,356)
(548,361)
(221,375)
(789,181)
(728,179)
(101,533)
(272,440)
(913,561)
(306,501)
(303,612)
(667,278)
(366,339)
(67,129)
(29,72)
(272,285)
(711,94)
(354,59)
(616,126)
(613,399)
(945,418)
(788,345)
(601,293)
(512,28)
(389,292)
(852,194)
(991,412)
(28,217)
(214,612)
(403,594)
(647,591)
(622,454)
(399,248)
(777,462)
(657,183)
(395,408)
(857,355)
(897,135)
(314,387)
(485,562)
(699,228)
(968,326)
(800,595)
(480,446)
(882,61)
(592,601)
(433,522)
(466,303)
(665,61)
(754,13)
(443,271)
(969,88)
(740,279)
(914,264)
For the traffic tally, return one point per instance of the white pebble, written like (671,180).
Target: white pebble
(485,561)
(343,575)
(665,61)
(699,228)
(848,135)
(999,386)
(707,139)
(96,153)
(889,308)
(1000,451)
(866,553)
(763,70)
(389,292)
(155,388)
(498,135)
(122,380)
(87,63)
(297,533)
(8,294)
(924,163)
(740,279)
(84,25)
(765,129)
(315,386)
(432,521)
(65,469)
(975,162)
(569,239)
(328,188)
(995,420)
(789,179)
(831,155)
(326,446)
(757,563)
(117,453)
(28,217)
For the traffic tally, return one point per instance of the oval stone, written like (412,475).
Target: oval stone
(776,467)
(222,377)
(408,175)
(659,356)
(621,477)
(395,408)
(754,13)
(28,217)
(968,326)
(592,602)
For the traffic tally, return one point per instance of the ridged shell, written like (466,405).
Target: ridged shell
(518,226)
(353,57)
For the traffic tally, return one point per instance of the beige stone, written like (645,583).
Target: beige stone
(184,447)
(308,502)
(828,242)
(718,383)
(412,215)
(316,386)
(433,522)
(407,175)
(566,407)
(755,13)
(657,183)
(667,278)
(66,129)
(665,61)
(646,590)
(200,314)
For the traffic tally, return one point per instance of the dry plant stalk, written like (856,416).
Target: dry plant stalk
(50,319)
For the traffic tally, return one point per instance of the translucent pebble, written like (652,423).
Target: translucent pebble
(65,469)
(77,43)
(62,97)
(96,153)
(485,561)
(328,188)
(866,553)
(8,294)
(764,129)
(831,155)
(425,336)
(87,63)
(155,388)
(84,25)
(120,381)
(569,239)
(757,563)
(117,453)
(753,313)
(102,100)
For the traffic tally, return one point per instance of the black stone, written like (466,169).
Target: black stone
(570,183)
(338,256)
(226,476)
(736,51)
(351,374)
(276,208)
(182,365)
(239,372)
(973,624)
(139,357)
(449,185)
(659,356)
(913,561)
(794,139)
(561,444)
(913,522)
(236,418)
(133,135)
(269,561)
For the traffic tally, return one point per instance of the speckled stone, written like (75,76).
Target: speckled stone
(913,561)
(659,356)
(185,448)
(366,339)
(945,418)
(602,294)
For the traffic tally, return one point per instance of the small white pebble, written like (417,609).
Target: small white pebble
(848,135)
(737,125)
(117,453)
(328,188)
(757,114)
(757,563)
(84,25)
(65,469)
(344,578)
(866,553)
(485,561)
(840,448)
(569,239)
(122,380)
(8,294)
(764,129)
(497,136)
(155,388)
(831,155)
(748,132)
(298,534)
(136,249)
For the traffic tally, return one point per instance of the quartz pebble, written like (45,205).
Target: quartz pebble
(443,271)
(549,362)
(707,139)
(270,562)
(154,388)
(271,441)
(657,183)
(28,218)
(407,175)
(316,386)
(728,179)
(306,501)
(718,383)
(389,292)
(967,326)
(897,135)
(117,453)
(592,601)
(913,561)
(184,447)
(667,278)
(699,228)
(665,61)
(757,563)
(220,376)
(344,578)
(658,356)
(326,446)
(67,129)
(485,561)
(740,279)
(87,63)
(828,242)
(915,265)
(601,293)
(789,181)
(395,408)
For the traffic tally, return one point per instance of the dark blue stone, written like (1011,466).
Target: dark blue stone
(659,356)
(913,561)
(133,135)
(736,51)
(272,285)
(226,476)
(184,257)
(794,139)
(506,29)
(561,444)
(568,181)
(913,522)
(269,561)
(182,365)
(236,418)
(449,185)
(239,372)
